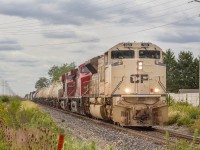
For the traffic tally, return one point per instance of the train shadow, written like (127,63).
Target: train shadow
(141,128)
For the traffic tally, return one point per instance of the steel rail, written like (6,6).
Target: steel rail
(153,137)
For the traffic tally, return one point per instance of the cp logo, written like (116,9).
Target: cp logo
(138,78)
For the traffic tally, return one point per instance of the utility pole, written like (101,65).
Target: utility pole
(199,56)
(3,87)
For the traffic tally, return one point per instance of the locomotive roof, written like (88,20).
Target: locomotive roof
(134,45)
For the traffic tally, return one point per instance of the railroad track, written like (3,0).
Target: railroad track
(154,135)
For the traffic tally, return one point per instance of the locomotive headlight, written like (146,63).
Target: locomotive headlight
(140,67)
(127,90)
(140,64)
(156,90)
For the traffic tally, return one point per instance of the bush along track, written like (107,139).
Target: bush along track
(30,128)
(183,114)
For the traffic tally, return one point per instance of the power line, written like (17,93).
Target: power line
(98,10)
(6,89)
(72,14)
(124,34)
(99,2)
(25,33)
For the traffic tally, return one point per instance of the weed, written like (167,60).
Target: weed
(5,99)
(35,127)
(184,120)
(183,144)
(173,119)
(170,100)
(184,114)
(195,126)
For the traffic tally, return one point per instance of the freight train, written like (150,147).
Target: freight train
(125,85)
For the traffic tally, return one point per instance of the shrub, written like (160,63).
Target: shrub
(195,126)
(5,99)
(182,103)
(184,120)
(194,112)
(173,118)
(25,116)
(170,100)
(183,144)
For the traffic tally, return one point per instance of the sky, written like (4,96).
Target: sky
(37,34)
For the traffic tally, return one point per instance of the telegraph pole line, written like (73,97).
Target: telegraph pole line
(3,87)
(6,89)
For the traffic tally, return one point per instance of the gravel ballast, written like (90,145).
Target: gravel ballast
(103,136)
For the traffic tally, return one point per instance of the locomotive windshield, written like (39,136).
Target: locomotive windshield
(149,54)
(84,69)
(122,54)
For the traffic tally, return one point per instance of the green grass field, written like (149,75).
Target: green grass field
(24,126)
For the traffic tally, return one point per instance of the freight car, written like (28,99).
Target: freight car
(126,85)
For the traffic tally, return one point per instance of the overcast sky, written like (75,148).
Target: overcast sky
(37,34)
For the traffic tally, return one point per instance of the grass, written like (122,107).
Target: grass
(28,104)
(24,126)
(184,114)
(183,144)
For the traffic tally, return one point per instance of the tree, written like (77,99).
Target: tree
(42,82)
(56,71)
(171,70)
(182,73)
(195,76)
(186,70)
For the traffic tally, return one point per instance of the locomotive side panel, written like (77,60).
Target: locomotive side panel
(101,74)
(71,83)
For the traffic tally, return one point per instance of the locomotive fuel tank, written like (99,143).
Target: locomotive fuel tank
(98,111)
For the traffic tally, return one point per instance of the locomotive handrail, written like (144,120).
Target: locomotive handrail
(120,82)
(163,87)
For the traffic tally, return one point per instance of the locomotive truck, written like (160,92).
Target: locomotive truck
(125,85)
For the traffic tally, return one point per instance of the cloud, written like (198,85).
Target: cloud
(19,58)
(77,51)
(9,45)
(75,37)
(179,37)
(72,12)
(190,23)
(90,26)
(60,35)
(56,12)
(7,41)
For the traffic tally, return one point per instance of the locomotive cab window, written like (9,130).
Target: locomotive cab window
(149,54)
(70,77)
(122,54)
(84,69)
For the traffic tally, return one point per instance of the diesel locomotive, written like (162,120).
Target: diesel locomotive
(125,85)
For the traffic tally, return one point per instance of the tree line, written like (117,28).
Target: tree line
(182,72)
(54,74)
